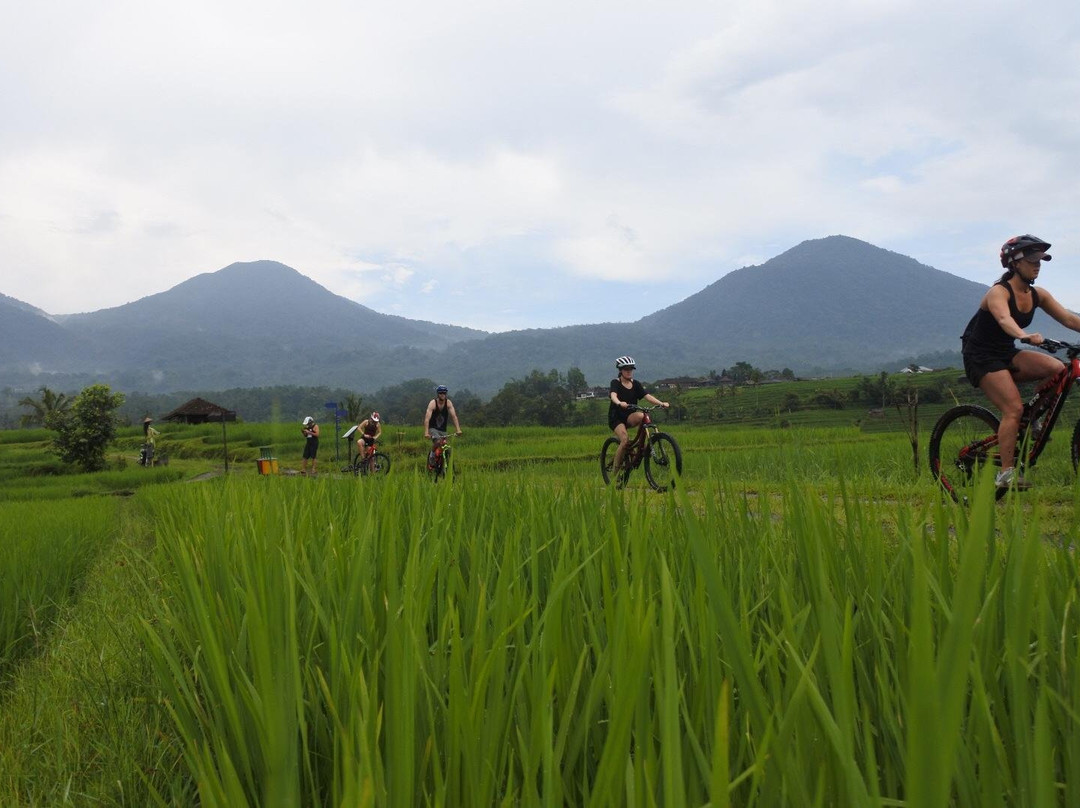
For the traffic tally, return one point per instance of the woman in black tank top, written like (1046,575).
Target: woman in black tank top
(991,359)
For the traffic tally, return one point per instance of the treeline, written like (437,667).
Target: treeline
(538,399)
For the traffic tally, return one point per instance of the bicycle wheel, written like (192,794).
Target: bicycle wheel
(1076,447)
(663,462)
(607,459)
(963,440)
(436,467)
(380,464)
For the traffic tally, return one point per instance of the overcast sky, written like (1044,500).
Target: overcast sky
(512,165)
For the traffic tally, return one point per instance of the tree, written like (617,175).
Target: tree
(539,398)
(87,427)
(41,408)
(354,407)
(576,382)
(741,372)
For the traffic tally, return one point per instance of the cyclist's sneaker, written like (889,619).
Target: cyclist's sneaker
(1008,478)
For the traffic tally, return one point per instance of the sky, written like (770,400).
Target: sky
(506,165)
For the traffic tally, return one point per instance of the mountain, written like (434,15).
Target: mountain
(30,340)
(830,302)
(245,325)
(830,305)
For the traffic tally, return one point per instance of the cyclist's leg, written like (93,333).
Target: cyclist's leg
(1000,387)
(621,432)
(1031,366)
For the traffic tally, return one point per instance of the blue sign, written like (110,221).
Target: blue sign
(341,413)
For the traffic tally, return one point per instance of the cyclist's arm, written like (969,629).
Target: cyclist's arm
(654,400)
(453,416)
(378,432)
(1049,304)
(427,418)
(997,301)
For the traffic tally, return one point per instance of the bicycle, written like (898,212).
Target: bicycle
(439,458)
(371,462)
(965,439)
(659,451)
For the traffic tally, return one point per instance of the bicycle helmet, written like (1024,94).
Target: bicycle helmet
(1020,246)
(375,417)
(309,421)
(625,362)
(442,388)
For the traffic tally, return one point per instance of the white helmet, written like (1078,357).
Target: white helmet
(625,362)
(309,421)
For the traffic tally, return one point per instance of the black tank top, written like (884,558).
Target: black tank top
(983,332)
(439,418)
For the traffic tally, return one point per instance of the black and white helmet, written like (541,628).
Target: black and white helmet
(1018,246)
(309,421)
(625,362)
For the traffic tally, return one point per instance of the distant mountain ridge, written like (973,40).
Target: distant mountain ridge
(829,305)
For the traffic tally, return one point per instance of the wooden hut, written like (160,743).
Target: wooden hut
(199,411)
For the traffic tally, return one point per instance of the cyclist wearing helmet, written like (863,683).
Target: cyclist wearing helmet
(310,431)
(370,430)
(440,411)
(626,392)
(992,361)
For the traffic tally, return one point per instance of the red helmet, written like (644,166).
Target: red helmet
(375,417)
(1019,246)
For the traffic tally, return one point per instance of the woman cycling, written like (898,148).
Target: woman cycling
(625,393)
(370,430)
(992,361)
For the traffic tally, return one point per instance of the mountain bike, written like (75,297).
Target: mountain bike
(964,439)
(659,451)
(438,462)
(369,462)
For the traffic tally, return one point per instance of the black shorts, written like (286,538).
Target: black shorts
(311,448)
(978,363)
(616,416)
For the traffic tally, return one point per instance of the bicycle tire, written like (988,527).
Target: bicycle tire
(963,440)
(607,459)
(380,464)
(663,462)
(1075,447)
(437,469)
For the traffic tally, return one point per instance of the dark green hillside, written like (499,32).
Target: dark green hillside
(28,336)
(831,306)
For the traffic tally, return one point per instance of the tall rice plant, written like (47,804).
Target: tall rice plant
(496,641)
(45,552)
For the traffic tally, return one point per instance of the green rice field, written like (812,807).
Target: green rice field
(804,620)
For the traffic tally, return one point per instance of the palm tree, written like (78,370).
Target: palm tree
(354,408)
(50,402)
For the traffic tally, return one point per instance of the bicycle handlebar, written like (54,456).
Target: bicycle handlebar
(1055,345)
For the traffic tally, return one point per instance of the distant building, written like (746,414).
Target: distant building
(199,411)
(917,369)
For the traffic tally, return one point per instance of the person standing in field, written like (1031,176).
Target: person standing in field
(310,431)
(992,362)
(626,392)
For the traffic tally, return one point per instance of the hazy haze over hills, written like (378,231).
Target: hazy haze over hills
(835,304)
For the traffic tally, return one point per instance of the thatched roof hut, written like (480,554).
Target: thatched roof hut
(199,411)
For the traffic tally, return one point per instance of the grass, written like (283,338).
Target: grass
(804,622)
